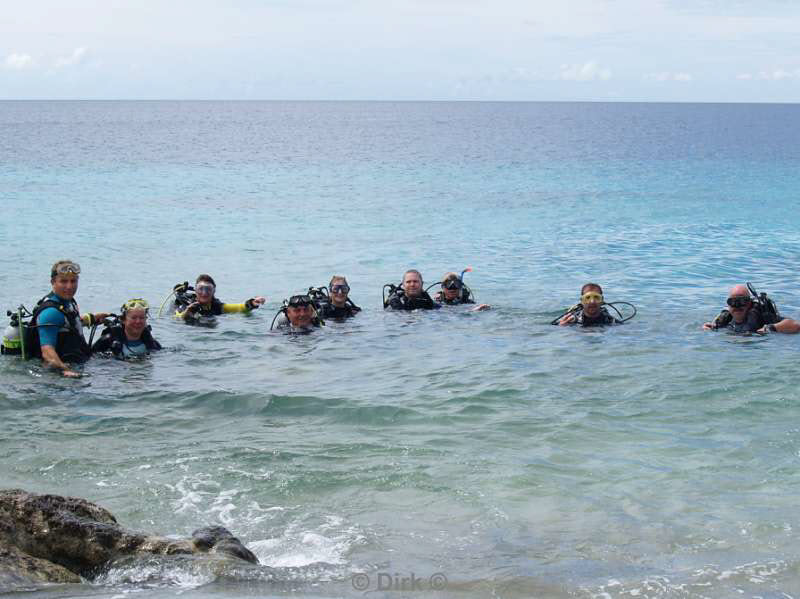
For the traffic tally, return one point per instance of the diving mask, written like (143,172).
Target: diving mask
(65,268)
(592,296)
(738,301)
(135,304)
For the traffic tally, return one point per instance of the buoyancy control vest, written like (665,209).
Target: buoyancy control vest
(602,319)
(400,301)
(113,339)
(71,345)
(756,318)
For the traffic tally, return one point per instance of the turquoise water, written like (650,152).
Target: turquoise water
(514,458)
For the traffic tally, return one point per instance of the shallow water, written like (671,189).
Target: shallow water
(514,458)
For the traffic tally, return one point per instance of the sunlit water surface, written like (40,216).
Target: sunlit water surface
(481,454)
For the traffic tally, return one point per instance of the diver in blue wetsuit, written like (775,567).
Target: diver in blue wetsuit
(55,332)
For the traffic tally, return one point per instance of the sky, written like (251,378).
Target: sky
(510,50)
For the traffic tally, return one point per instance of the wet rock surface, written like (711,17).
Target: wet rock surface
(50,538)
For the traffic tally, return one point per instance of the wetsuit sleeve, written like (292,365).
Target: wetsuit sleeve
(232,308)
(49,322)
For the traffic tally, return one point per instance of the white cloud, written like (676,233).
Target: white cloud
(18,62)
(75,58)
(589,71)
(668,76)
(774,75)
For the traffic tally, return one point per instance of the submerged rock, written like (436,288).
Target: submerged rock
(50,538)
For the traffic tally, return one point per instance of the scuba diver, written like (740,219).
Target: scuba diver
(194,303)
(751,312)
(55,330)
(297,315)
(454,291)
(129,336)
(333,301)
(409,295)
(591,311)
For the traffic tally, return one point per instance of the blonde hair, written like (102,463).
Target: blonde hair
(449,276)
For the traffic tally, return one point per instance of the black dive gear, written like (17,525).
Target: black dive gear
(762,312)
(185,296)
(324,305)
(602,319)
(113,338)
(465,297)
(398,300)
(71,345)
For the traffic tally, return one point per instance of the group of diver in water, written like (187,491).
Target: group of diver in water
(53,331)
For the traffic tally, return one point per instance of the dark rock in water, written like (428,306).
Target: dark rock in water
(18,569)
(50,538)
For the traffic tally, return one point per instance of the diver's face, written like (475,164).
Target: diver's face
(412,284)
(592,301)
(299,316)
(339,290)
(450,294)
(65,286)
(739,306)
(204,291)
(135,321)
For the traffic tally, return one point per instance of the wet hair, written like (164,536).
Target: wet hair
(338,278)
(416,272)
(54,268)
(590,286)
(450,276)
(205,278)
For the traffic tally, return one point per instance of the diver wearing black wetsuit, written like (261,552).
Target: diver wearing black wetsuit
(600,320)
(747,311)
(410,295)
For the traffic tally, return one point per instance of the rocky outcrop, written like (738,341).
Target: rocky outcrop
(50,538)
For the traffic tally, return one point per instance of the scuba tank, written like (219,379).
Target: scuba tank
(12,340)
(13,343)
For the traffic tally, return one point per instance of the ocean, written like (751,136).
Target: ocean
(444,454)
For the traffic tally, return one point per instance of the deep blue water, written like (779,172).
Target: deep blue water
(515,458)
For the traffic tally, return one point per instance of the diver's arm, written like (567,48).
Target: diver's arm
(51,359)
(89,319)
(233,308)
(787,325)
(188,311)
(723,319)
(480,307)
(252,304)
(568,319)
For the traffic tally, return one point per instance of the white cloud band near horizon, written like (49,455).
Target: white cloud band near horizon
(665,50)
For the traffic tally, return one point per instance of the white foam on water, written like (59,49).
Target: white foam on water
(299,547)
